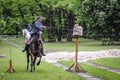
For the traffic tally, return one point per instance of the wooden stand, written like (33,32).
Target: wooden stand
(10,70)
(76,67)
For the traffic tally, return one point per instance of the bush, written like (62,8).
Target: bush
(107,41)
(1,74)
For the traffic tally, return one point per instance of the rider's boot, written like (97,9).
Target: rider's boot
(26,47)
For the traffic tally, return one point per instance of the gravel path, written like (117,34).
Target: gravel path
(103,67)
(85,75)
(82,56)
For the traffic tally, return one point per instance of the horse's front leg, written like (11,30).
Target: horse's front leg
(39,61)
(34,62)
(27,61)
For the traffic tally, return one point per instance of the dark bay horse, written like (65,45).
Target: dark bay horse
(34,51)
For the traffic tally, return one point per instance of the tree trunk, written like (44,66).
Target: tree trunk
(71,24)
(59,34)
(117,33)
(69,36)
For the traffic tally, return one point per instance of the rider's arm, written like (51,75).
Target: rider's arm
(39,26)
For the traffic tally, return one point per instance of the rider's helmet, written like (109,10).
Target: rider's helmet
(39,17)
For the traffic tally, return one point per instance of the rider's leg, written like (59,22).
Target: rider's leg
(26,47)
(29,40)
(41,42)
(42,52)
(27,43)
(32,33)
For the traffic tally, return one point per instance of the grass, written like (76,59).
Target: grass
(109,62)
(100,73)
(84,45)
(45,71)
(48,71)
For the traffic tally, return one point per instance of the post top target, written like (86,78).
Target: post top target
(78,30)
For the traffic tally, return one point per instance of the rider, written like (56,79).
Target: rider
(37,25)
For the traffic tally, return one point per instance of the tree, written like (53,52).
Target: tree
(100,18)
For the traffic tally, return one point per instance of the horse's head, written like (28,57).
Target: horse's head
(23,32)
(26,33)
(38,36)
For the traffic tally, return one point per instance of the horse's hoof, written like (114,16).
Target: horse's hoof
(38,63)
(32,63)
(35,70)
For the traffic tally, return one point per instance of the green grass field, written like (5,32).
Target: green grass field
(100,73)
(47,71)
(84,45)
(109,62)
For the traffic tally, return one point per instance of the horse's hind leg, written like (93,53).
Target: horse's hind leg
(31,63)
(39,61)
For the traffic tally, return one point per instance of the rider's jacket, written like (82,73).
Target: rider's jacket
(38,25)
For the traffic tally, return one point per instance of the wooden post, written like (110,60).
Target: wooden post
(76,67)
(76,57)
(10,70)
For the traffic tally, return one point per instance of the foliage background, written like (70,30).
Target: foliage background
(100,19)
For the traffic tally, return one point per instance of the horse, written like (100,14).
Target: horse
(34,49)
